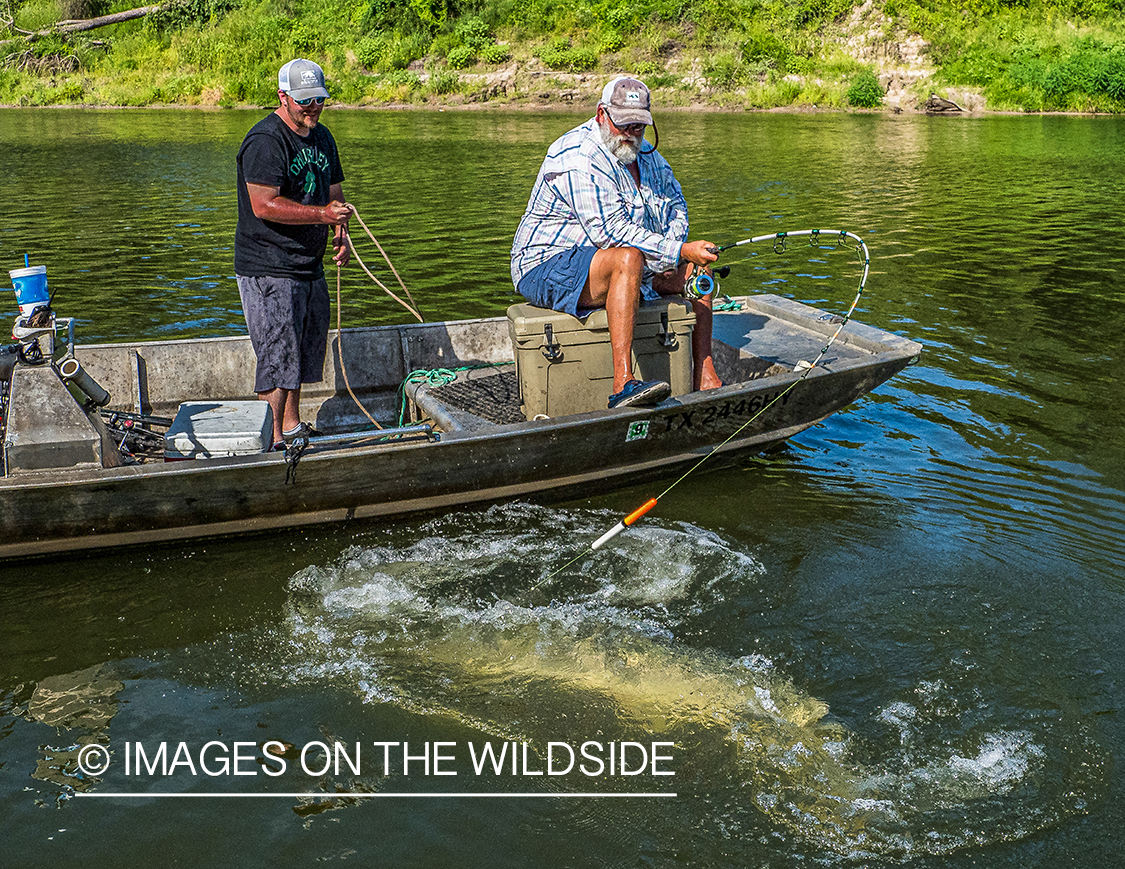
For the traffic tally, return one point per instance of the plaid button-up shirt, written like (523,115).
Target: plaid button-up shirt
(585,197)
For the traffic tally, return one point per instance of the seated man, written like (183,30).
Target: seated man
(606,225)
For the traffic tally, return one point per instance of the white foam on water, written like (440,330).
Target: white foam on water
(472,611)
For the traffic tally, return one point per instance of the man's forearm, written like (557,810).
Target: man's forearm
(268,204)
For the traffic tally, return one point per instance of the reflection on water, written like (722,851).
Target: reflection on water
(896,639)
(80,705)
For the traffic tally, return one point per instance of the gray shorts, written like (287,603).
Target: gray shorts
(288,324)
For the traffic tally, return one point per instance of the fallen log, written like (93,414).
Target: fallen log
(85,24)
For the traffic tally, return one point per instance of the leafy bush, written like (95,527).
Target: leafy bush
(865,91)
(460,57)
(432,13)
(443,81)
(36,14)
(495,54)
(305,40)
(385,53)
(369,51)
(1092,68)
(570,58)
(403,77)
(188,13)
(723,71)
(611,42)
(768,50)
(473,34)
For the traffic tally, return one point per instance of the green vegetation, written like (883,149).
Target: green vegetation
(1029,55)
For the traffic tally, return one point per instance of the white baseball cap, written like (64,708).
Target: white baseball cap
(301,79)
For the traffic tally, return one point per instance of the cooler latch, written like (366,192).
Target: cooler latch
(552,349)
(666,336)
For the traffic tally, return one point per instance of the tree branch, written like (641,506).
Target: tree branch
(86,24)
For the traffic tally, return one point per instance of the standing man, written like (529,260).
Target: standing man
(606,225)
(289,193)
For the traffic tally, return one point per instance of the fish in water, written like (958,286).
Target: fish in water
(449,627)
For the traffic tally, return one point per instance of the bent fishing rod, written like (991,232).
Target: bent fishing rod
(698,288)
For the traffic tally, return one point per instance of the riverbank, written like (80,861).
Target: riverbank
(528,85)
(872,56)
(683,73)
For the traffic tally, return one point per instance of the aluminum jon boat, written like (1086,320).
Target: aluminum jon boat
(509,407)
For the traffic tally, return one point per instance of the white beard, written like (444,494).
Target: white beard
(624,148)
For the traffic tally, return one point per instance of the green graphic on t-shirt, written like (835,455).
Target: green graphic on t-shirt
(310,160)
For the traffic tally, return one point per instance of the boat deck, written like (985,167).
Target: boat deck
(479,398)
(492,396)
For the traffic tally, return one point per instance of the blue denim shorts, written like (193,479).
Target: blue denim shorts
(557,283)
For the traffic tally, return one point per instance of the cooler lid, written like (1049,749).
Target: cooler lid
(527,319)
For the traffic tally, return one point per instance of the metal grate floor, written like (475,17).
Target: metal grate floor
(494,397)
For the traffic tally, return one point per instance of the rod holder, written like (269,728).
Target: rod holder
(74,375)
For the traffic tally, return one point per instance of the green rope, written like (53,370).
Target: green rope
(436,377)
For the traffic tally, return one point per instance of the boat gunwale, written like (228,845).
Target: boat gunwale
(68,477)
(61,510)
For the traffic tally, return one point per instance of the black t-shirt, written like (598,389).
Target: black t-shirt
(303,169)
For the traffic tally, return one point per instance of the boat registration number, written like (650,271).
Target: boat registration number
(707,417)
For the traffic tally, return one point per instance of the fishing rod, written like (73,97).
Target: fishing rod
(779,245)
(701,284)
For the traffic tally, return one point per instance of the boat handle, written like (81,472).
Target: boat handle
(666,336)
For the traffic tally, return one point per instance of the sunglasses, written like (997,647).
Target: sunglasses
(308,100)
(631,129)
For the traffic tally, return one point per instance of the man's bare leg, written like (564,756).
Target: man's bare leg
(703,374)
(614,282)
(286,407)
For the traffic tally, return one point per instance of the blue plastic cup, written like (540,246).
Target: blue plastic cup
(31,288)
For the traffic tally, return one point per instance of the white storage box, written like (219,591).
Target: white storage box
(206,429)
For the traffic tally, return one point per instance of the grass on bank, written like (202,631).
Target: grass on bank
(1034,55)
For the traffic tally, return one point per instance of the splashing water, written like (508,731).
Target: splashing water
(461,624)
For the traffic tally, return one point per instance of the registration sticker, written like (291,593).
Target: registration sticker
(638,431)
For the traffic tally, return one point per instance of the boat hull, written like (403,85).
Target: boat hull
(559,458)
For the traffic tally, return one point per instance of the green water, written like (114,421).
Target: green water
(940,567)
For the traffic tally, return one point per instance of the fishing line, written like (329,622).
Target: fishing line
(779,246)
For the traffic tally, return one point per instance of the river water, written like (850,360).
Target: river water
(897,640)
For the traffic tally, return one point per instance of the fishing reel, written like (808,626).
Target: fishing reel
(36,336)
(701,283)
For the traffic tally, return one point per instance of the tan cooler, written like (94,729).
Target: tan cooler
(564,365)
